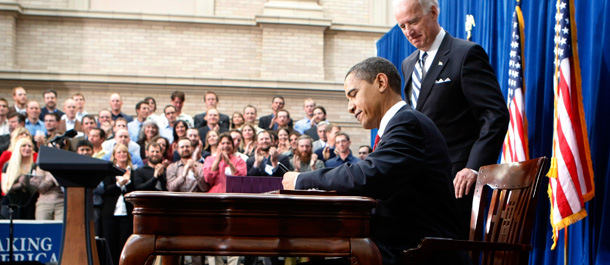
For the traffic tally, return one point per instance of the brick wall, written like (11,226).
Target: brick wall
(347,11)
(7,42)
(238,8)
(343,49)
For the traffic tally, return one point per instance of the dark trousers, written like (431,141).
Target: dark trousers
(116,231)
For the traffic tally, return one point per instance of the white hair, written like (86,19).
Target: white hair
(425,4)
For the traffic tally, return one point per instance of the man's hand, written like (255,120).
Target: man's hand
(326,152)
(273,155)
(288,180)
(463,182)
(258,157)
(312,162)
(159,169)
(297,163)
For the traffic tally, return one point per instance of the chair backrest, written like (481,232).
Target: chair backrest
(508,216)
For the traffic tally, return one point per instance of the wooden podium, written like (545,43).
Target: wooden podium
(80,175)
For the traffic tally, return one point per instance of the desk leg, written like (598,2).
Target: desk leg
(138,250)
(365,252)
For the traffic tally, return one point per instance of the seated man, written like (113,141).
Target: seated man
(408,173)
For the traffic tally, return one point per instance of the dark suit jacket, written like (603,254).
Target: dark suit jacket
(408,174)
(260,171)
(112,193)
(223,122)
(313,132)
(44,111)
(265,121)
(203,131)
(144,179)
(467,106)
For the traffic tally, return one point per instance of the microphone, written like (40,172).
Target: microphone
(67,134)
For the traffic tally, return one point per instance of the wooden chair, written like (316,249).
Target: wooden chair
(503,235)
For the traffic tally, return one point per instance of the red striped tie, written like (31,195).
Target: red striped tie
(376,142)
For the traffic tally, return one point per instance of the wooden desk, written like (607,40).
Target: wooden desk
(233,224)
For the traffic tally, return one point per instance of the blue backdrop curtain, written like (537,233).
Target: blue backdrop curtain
(589,240)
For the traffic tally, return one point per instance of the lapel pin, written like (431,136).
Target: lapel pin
(440,63)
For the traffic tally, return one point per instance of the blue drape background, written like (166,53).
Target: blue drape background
(589,240)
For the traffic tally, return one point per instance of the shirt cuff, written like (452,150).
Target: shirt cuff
(474,171)
(295,181)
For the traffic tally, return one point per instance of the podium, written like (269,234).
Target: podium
(80,175)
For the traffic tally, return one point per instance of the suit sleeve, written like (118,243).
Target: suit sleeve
(487,104)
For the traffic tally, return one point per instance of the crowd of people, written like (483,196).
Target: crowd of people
(170,151)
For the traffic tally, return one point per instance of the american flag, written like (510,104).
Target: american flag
(571,173)
(515,146)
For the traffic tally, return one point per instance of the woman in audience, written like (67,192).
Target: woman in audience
(248,132)
(283,144)
(179,132)
(50,203)
(18,133)
(211,144)
(21,163)
(117,219)
(149,131)
(237,120)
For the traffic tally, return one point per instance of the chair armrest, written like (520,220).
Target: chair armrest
(430,245)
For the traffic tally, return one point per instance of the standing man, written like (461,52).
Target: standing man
(266,159)
(344,154)
(410,161)
(304,159)
(122,137)
(20,98)
(116,103)
(32,121)
(79,98)
(50,101)
(152,175)
(459,92)
(268,122)
(283,120)
(88,123)
(319,115)
(105,121)
(97,136)
(212,118)
(69,121)
(3,116)
(211,102)
(364,151)
(250,115)
(51,124)
(178,99)
(186,174)
(134,126)
(302,125)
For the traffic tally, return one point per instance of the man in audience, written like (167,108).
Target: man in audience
(105,121)
(212,118)
(269,122)
(15,120)
(328,151)
(186,174)
(344,154)
(97,136)
(167,130)
(319,114)
(304,159)
(79,98)
(250,115)
(50,101)
(178,99)
(283,120)
(69,121)
(211,102)
(134,126)
(302,125)
(32,121)
(196,145)
(321,133)
(88,123)
(116,103)
(20,98)
(51,124)
(3,116)
(84,147)
(122,137)
(364,151)
(152,175)
(266,159)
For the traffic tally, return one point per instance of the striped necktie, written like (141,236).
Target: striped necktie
(418,75)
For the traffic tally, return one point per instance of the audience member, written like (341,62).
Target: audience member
(178,99)
(165,148)
(212,119)
(50,203)
(147,133)
(211,102)
(197,145)
(152,175)
(321,133)
(134,127)
(116,103)
(20,98)
(84,147)
(88,123)
(179,132)
(328,151)
(69,121)
(344,154)
(152,108)
(250,114)
(105,121)
(97,136)
(117,217)
(211,143)
(20,163)
(283,142)
(186,174)
(50,101)
(238,141)
(302,125)
(3,117)
(51,124)
(319,115)
(237,120)
(119,124)
(16,134)
(293,137)
(79,98)
(269,122)
(221,164)
(304,159)
(266,159)
(364,151)
(122,137)
(282,120)
(249,134)
(32,121)
(167,130)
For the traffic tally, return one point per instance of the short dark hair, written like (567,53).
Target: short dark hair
(139,104)
(367,147)
(5,101)
(55,115)
(321,108)
(177,94)
(368,70)
(250,106)
(102,132)
(210,92)
(153,100)
(49,91)
(20,117)
(153,144)
(228,136)
(84,143)
(284,110)
(89,116)
(278,96)
(168,106)
(343,134)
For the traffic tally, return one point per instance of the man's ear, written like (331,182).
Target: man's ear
(382,82)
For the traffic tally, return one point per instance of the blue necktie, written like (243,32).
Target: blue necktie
(417,77)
